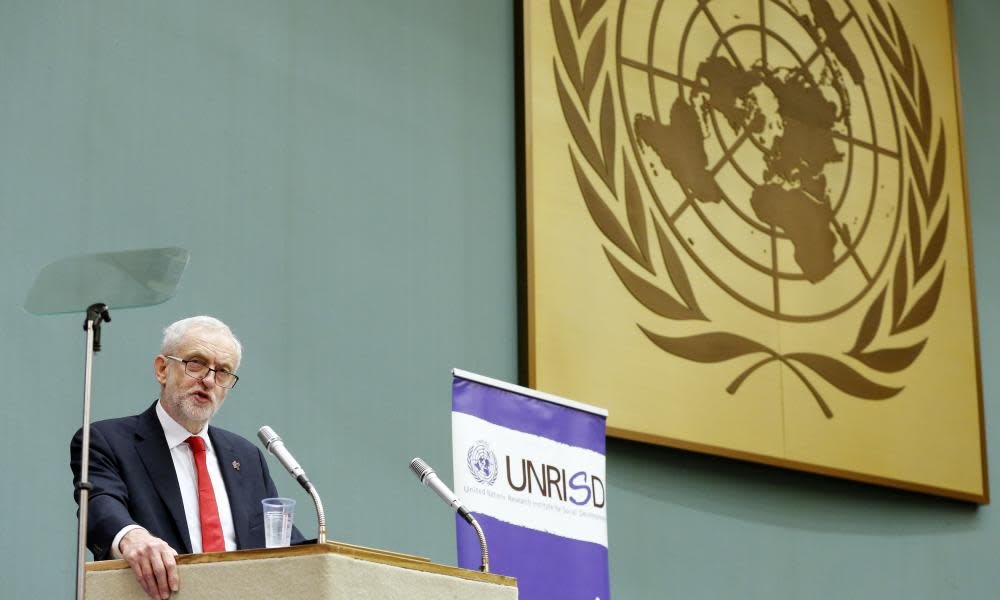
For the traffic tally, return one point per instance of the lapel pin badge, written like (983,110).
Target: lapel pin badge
(236,465)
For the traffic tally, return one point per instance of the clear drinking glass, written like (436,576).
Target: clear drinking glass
(278,516)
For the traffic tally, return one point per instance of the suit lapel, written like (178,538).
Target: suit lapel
(151,445)
(229,463)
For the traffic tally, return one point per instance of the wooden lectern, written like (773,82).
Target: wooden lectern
(330,571)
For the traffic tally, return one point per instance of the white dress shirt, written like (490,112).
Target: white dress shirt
(187,478)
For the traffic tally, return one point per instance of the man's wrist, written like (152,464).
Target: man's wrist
(116,551)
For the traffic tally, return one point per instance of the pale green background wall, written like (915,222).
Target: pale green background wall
(343,174)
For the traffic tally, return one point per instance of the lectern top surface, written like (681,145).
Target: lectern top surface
(405,561)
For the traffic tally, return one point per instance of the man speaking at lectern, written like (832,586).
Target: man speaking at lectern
(164,481)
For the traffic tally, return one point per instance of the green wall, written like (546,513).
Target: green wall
(343,174)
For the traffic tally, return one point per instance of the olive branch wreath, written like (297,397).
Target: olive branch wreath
(913,292)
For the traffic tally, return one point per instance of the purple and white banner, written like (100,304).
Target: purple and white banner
(530,466)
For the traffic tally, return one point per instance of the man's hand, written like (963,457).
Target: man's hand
(152,561)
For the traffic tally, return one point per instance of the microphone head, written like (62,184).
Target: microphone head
(267,436)
(420,468)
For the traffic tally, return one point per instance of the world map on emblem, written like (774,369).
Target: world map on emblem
(772,152)
(482,463)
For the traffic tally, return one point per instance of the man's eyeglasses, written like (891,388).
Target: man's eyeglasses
(199,370)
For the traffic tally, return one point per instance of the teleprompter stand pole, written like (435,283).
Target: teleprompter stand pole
(96,314)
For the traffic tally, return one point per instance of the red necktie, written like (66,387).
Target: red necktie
(211,527)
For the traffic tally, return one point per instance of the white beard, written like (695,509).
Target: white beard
(192,411)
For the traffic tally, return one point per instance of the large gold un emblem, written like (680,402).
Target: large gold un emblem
(766,136)
(747,231)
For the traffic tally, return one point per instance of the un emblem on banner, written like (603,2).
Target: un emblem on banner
(771,153)
(482,463)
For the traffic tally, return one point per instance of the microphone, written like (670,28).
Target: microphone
(428,477)
(272,441)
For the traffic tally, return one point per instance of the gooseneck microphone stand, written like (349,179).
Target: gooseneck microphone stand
(96,314)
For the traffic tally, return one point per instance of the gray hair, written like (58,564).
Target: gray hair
(175,332)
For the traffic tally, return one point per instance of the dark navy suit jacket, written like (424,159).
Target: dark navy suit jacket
(135,483)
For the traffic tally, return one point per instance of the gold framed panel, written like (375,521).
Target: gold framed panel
(745,231)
